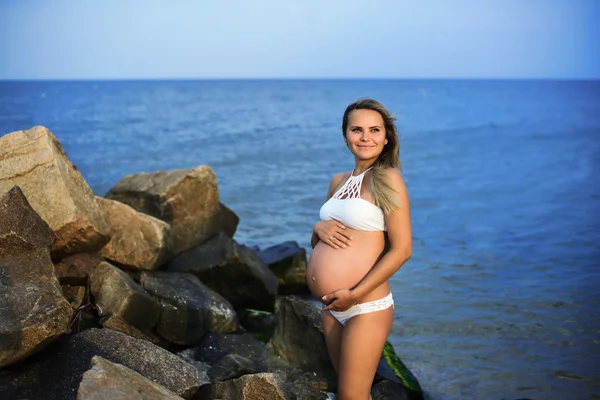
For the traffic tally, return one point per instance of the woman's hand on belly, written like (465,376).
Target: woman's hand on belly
(340,300)
(333,233)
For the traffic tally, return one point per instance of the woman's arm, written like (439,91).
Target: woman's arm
(326,229)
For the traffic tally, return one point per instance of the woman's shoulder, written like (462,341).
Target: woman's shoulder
(394,176)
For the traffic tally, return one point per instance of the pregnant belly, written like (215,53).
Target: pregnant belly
(332,269)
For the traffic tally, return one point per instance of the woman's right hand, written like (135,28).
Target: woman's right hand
(333,233)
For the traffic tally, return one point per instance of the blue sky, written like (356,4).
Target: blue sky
(108,39)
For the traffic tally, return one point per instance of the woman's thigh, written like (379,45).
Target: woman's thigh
(362,343)
(332,331)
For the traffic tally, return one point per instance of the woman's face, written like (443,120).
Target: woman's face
(365,134)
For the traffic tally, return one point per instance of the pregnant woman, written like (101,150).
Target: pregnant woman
(350,265)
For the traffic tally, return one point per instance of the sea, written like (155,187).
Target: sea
(501,298)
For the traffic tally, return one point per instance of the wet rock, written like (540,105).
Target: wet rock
(35,161)
(117,323)
(299,339)
(287,260)
(232,270)
(231,366)
(33,311)
(110,381)
(138,240)
(115,292)
(75,269)
(392,368)
(188,200)
(388,390)
(261,323)
(189,309)
(55,373)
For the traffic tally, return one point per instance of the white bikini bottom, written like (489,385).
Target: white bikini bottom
(363,308)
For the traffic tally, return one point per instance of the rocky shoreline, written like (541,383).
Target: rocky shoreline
(144,293)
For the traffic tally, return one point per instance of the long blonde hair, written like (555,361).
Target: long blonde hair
(383,192)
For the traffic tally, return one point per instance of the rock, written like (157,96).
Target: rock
(33,311)
(229,220)
(117,323)
(76,269)
(189,309)
(287,260)
(55,373)
(388,390)
(74,295)
(110,381)
(215,346)
(260,323)
(138,240)
(299,339)
(231,366)
(392,368)
(188,200)
(35,161)
(232,270)
(116,293)
(248,387)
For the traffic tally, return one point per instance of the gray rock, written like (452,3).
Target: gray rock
(188,200)
(259,322)
(138,240)
(189,309)
(388,390)
(110,381)
(33,311)
(299,339)
(229,220)
(248,387)
(115,292)
(231,366)
(287,260)
(232,270)
(35,161)
(55,373)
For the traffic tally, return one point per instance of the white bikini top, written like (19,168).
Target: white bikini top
(347,207)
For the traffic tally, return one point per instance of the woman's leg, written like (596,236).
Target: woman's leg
(332,330)
(362,342)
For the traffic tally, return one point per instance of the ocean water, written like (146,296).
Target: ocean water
(501,299)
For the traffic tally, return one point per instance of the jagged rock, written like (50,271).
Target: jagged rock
(299,339)
(388,390)
(214,346)
(33,311)
(232,270)
(248,387)
(138,240)
(287,260)
(76,269)
(229,220)
(117,323)
(189,309)
(35,161)
(188,200)
(231,366)
(55,373)
(110,381)
(74,295)
(115,292)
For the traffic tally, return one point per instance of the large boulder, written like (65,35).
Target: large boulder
(229,220)
(299,338)
(110,381)
(33,311)
(232,270)
(138,240)
(189,309)
(187,199)
(115,292)
(75,269)
(35,161)
(55,373)
(287,260)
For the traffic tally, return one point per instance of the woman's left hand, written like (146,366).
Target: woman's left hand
(340,300)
